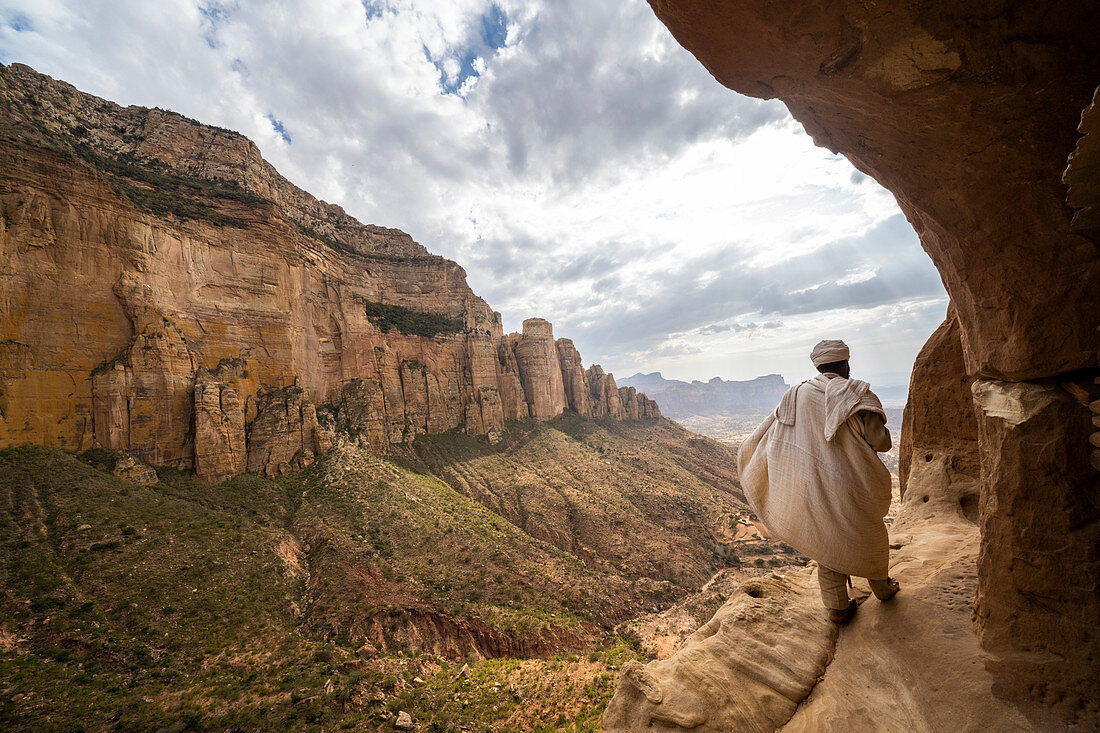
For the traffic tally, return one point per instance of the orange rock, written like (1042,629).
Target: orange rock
(540,369)
(606,401)
(168,293)
(572,371)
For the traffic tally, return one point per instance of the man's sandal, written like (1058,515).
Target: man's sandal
(895,586)
(842,616)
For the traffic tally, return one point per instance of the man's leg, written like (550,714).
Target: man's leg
(884,590)
(834,588)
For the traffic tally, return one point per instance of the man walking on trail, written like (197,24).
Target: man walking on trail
(811,474)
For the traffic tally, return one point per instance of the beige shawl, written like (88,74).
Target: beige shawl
(815,483)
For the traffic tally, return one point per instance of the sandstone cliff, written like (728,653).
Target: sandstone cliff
(168,293)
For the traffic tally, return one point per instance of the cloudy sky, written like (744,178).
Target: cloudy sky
(569,154)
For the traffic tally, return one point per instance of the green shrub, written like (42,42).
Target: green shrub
(148,184)
(409,321)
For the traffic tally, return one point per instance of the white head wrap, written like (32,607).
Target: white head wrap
(828,351)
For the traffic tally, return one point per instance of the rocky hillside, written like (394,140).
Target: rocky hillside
(167,293)
(359,587)
(681,399)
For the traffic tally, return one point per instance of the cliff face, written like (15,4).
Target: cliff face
(967,113)
(168,293)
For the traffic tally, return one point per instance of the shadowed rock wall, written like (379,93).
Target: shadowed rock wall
(167,293)
(939,429)
(967,112)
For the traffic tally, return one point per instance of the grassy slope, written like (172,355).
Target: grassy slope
(645,500)
(243,605)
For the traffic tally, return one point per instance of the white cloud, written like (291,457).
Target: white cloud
(570,155)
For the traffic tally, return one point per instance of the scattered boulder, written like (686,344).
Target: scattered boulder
(135,471)
(404,721)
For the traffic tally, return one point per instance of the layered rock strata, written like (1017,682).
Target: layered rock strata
(967,113)
(167,293)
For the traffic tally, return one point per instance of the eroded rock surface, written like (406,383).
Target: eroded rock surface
(165,290)
(1039,567)
(1082,174)
(912,664)
(939,430)
(135,471)
(540,369)
(745,670)
(220,447)
(284,436)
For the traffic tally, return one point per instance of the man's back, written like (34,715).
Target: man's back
(811,474)
(812,477)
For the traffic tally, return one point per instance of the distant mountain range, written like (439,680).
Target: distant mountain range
(718,397)
(679,399)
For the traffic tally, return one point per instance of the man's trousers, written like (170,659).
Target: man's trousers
(834,588)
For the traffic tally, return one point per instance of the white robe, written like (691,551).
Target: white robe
(814,481)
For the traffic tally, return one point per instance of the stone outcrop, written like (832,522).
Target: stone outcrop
(1030,433)
(967,113)
(939,428)
(540,369)
(747,669)
(168,294)
(636,406)
(285,435)
(577,393)
(513,403)
(135,471)
(1082,174)
(220,446)
(603,393)
(554,379)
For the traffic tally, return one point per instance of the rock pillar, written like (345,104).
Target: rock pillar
(220,451)
(540,369)
(572,372)
(1040,520)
